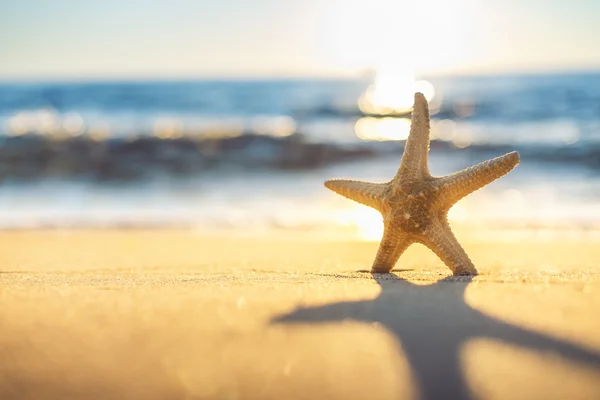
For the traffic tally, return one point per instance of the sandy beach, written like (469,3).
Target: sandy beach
(193,195)
(173,314)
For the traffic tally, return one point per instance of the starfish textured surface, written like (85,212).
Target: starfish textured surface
(414,204)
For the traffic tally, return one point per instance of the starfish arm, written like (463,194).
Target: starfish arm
(414,160)
(460,184)
(440,239)
(367,193)
(392,245)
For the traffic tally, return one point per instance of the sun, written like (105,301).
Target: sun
(404,36)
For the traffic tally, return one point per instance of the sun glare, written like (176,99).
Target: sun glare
(369,128)
(393,91)
(367,221)
(396,38)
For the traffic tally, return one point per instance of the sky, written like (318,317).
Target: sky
(75,39)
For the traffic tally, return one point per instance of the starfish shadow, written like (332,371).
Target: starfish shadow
(432,323)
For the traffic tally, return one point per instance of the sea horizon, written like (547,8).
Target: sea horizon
(284,76)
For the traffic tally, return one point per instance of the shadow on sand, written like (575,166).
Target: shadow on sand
(432,323)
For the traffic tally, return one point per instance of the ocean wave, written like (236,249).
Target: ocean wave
(40,156)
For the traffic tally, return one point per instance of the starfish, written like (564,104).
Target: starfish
(415,205)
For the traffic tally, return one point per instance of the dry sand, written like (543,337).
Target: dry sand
(178,315)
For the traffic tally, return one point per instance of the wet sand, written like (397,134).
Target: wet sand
(180,315)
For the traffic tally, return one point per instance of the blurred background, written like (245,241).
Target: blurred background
(227,116)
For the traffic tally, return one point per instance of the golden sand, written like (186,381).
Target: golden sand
(179,315)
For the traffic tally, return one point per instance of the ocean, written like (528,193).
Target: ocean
(251,156)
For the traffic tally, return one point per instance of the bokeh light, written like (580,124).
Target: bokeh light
(369,128)
(393,92)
